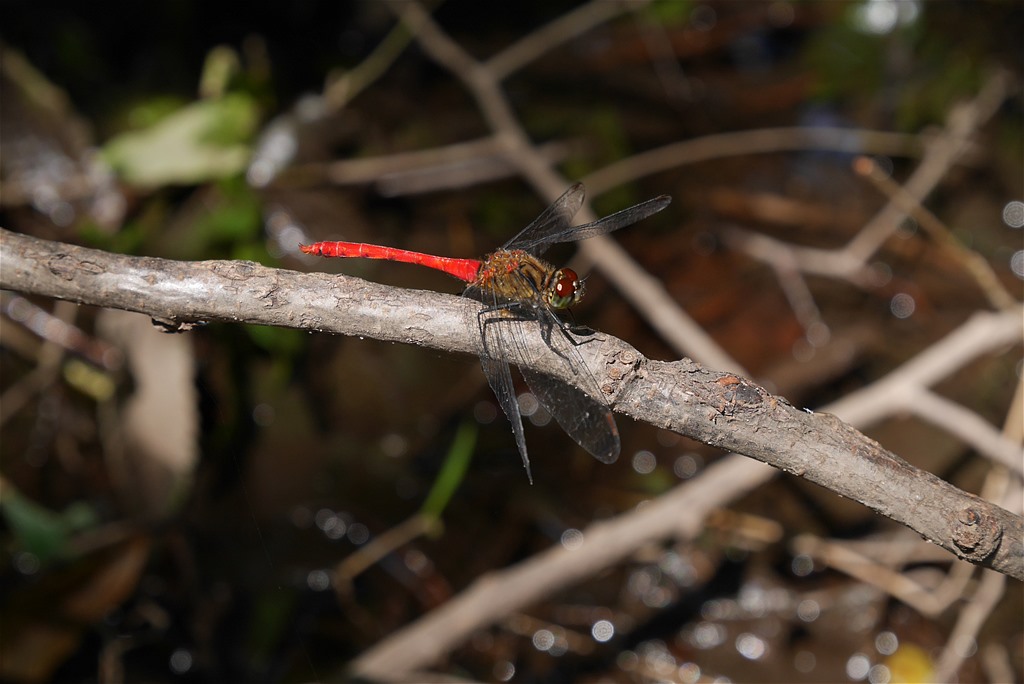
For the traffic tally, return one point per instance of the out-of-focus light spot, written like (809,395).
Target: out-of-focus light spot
(335,528)
(540,417)
(322,516)
(504,671)
(753,599)
(657,657)
(572,539)
(781,14)
(318,580)
(19,309)
(751,646)
(902,305)
(658,597)
(358,533)
(857,667)
(707,635)
(879,674)
(260,173)
(417,561)
(180,661)
(1017,264)
(602,631)
(689,673)
(679,568)
(703,18)
(627,661)
(284,234)
(644,462)
(641,580)
(884,163)
(687,465)
(907,229)
(863,620)
(881,274)
(805,662)
(263,414)
(287,242)
(543,639)
(528,404)
(27,563)
(330,523)
(876,17)
(802,350)
(273,151)
(394,445)
(883,16)
(1013,214)
(808,610)
(886,643)
(484,412)
(718,609)
(62,214)
(802,565)
(818,334)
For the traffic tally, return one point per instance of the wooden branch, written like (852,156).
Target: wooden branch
(716,408)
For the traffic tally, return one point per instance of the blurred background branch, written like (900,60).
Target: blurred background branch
(182,504)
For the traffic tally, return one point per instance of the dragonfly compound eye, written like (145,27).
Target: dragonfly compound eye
(566,289)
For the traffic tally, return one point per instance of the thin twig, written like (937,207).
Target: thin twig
(942,152)
(845,558)
(745,143)
(973,263)
(341,88)
(962,640)
(563,29)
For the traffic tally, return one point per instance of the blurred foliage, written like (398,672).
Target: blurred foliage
(669,12)
(40,531)
(202,141)
(452,473)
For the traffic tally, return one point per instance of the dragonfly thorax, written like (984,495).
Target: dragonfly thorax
(518,275)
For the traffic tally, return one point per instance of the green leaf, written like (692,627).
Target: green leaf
(202,141)
(39,530)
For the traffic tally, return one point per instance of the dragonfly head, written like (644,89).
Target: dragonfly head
(565,290)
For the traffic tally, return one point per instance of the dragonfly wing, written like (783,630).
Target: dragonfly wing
(552,221)
(587,421)
(620,219)
(494,335)
(499,377)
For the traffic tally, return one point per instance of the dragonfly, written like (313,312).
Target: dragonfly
(518,288)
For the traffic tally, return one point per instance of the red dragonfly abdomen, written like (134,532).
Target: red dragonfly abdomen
(465,270)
